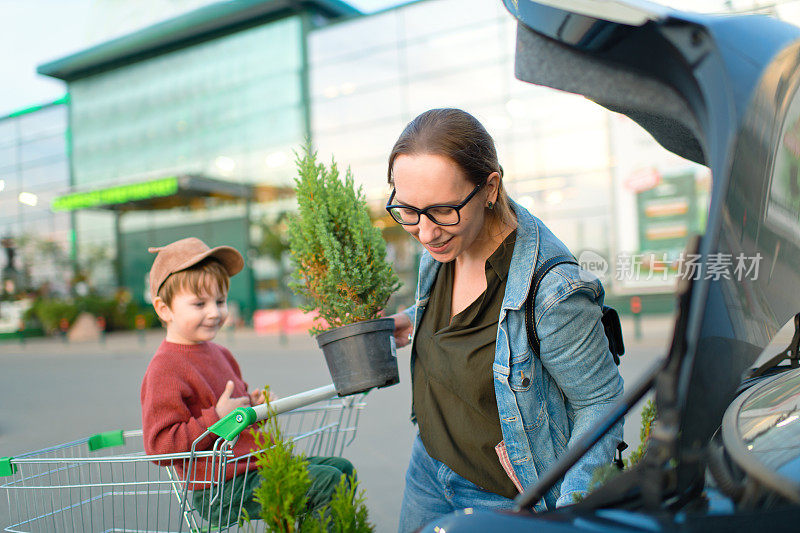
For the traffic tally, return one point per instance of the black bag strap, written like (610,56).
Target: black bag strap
(538,275)
(611,323)
(611,326)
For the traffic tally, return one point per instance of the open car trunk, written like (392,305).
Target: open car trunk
(723,92)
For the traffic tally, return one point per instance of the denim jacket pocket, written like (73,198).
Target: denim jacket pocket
(521,379)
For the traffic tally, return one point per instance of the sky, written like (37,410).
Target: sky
(33,32)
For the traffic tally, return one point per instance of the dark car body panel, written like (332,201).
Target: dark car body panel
(721,84)
(601,521)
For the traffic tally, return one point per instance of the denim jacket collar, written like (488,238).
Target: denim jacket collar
(523,262)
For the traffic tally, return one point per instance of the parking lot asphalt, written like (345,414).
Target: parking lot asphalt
(52,392)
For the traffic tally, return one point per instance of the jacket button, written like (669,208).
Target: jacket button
(526,382)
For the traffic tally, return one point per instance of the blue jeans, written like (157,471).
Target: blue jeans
(433,490)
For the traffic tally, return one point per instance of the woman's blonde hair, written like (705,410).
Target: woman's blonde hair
(457,135)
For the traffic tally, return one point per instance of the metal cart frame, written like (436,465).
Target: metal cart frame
(92,485)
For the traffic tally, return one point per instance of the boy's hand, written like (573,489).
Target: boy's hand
(226,404)
(257,397)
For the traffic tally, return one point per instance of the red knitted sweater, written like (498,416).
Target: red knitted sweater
(179,393)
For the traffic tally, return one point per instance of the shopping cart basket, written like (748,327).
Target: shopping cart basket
(107,483)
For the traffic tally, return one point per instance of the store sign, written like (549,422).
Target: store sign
(642,180)
(116,195)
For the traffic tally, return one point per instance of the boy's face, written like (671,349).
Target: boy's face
(193,318)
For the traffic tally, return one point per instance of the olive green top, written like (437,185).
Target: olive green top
(452,383)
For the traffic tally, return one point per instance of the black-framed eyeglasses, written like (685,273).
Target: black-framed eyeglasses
(441,214)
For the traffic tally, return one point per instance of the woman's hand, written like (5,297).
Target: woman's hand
(402,329)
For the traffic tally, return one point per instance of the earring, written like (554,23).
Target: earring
(490,205)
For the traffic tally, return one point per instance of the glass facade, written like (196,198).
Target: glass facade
(229,108)
(561,153)
(34,169)
(218,108)
(235,106)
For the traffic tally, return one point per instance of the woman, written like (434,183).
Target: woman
(491,415)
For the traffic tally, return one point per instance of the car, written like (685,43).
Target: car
(721,91)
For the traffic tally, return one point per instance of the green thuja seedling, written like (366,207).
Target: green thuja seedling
(282,493)
(347,508)
(339,257)
(319,522)
(346,512)
(600,476)
(648,418)
(604,473)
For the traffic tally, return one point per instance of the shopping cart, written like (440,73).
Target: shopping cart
(107,483)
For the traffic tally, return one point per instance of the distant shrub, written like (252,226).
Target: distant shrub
(117,313)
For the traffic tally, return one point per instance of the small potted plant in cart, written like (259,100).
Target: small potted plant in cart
(341,269)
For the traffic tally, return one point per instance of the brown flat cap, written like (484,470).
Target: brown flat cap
(184,253)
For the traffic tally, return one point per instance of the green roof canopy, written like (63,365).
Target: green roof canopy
(162,193)
(202,24)
(38,107)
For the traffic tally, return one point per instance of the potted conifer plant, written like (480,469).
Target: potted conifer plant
(341,269)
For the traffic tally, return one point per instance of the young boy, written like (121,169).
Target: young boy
(192,382)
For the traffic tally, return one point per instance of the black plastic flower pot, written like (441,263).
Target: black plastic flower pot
(361,356)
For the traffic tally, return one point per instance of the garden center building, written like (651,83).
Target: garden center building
(189,127)
(34,168)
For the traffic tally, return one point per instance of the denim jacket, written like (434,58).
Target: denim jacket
(548,402)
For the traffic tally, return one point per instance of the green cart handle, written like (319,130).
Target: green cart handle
(231,425)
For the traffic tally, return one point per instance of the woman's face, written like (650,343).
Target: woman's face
(422,180)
